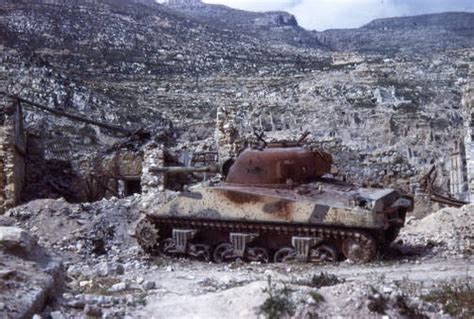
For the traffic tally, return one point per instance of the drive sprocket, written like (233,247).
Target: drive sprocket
(147,235)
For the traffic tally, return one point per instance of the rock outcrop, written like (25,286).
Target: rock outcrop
(28,275)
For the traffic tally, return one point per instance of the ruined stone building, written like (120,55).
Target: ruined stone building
(458,172)
(468,145)
(12,154)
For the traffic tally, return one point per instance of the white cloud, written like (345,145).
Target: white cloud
(261,5)
(325,14)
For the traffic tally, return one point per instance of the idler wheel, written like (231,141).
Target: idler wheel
(360,250)
(323,253)
(147,235)
(258,254)
(223,253)
(285,254)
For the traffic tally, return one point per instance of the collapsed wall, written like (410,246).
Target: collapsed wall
(12,154)
(468,160)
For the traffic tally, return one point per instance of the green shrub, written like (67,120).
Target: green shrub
(278,303)
(457,299)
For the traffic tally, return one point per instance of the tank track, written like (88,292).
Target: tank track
(325,232)
(368,240)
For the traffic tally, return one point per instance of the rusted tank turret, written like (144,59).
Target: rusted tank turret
(276,204)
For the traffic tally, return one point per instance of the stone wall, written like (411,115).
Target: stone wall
(229,126)
(468,105)
(153,157)
(12,154)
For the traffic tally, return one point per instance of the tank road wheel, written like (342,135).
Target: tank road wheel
(223,253)
(167,247)
(323,253)
(200,252)
(258,254)
(147,235)
(359,250)
(285,254)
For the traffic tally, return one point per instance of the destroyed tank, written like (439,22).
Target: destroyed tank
(275,204)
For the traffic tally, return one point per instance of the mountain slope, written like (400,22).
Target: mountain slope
(118,62)
(277,26)
(139,65)
(417,34)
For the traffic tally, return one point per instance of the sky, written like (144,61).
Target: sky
(328,14)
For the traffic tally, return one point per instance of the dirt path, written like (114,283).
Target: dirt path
(196,290)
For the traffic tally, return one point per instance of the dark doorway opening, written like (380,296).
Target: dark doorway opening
(132,186)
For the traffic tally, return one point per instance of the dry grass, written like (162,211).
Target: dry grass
(456,299)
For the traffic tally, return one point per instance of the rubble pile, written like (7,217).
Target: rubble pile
(28,274)
(85,229)
(450,231)
(104,271)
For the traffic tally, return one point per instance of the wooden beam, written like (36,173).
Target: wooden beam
(75,117)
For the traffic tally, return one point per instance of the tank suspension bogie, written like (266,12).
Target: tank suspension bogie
(302,246)
(239,248)
(308,249)
(285,254)
(223,253)
(180,244)
(200,252)
(257,254)
(323,253)
(240,241)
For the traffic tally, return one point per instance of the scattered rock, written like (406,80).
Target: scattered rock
(149,285)
(92,311)
(12,238)
(118,287)
(77,304)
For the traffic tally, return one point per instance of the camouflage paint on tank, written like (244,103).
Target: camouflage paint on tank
(322,206)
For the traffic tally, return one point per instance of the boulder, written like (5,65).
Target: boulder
(16,239)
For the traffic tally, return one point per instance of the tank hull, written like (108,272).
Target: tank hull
(257,204)
(326,214)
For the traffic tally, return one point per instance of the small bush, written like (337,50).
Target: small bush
(377,302)
(317,297)
(324,280)
(408,311)
(278,303)
(457,299)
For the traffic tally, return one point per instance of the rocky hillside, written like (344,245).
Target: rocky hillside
(136,64)
(411,35)
(279,27)
(424,33)
(91,57)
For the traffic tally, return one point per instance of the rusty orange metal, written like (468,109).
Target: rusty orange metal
(279,166)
